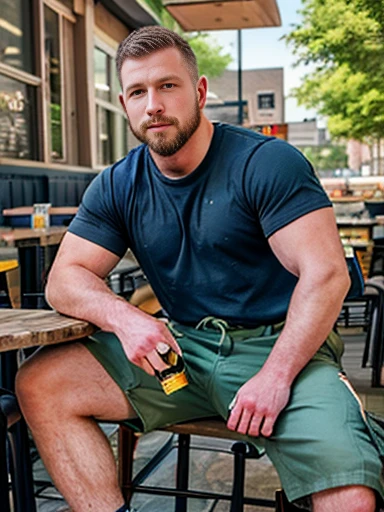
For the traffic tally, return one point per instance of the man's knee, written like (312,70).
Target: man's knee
(354,498)
(40,381)
(32,383)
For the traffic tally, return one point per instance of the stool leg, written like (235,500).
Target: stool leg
(127,443)
(182,475)
(4,488)
(239,449)
(22,477)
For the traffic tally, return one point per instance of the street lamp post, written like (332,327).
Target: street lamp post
(239,79)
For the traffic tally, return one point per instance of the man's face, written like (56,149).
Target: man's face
(161,100)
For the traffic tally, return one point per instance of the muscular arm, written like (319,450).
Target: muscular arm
(310,249)
(76,287)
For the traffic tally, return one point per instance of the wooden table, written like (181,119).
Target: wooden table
(23,328)
(22,216)
(27,237)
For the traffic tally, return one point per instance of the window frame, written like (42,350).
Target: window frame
(40,146)
(28,79)
(264,94)
(62,12)
(110,106)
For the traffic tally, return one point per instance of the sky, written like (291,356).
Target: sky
(262,48)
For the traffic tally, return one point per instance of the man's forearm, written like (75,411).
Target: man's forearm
(80,293)
(312,313)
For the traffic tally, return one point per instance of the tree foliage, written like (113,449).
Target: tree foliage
(344,41)
(211,60)
(324,158)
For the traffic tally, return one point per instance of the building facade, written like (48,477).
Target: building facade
(262,94)
(60,118)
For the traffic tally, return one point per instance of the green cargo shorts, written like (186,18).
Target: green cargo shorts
(320,440)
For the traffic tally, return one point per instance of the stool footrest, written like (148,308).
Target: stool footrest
(165,491)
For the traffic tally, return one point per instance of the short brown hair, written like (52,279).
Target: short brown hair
(147,40)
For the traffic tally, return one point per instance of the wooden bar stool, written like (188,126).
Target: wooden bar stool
(213,427)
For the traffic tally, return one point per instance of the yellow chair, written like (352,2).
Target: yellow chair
(9,284)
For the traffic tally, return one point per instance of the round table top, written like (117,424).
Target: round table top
(22,328)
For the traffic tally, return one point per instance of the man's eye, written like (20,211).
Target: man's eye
(137,92)
(168,86)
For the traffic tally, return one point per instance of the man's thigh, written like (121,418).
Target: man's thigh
(69,377)
(321,439)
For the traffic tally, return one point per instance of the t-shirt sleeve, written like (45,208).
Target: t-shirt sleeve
(97,219)
(281,186)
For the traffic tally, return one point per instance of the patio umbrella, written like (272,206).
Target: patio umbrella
(196,15)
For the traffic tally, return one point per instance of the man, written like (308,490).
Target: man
(240,245)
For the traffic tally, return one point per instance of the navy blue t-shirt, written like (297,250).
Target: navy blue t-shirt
(202,240)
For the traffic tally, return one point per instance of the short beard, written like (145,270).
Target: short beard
(160,144)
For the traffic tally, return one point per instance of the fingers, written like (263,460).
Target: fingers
(170,340)
(156,361)
(267,427)
(249,422)
(251,425)
(141,344)
(146,367)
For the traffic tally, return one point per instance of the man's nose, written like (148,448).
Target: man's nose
(154,105)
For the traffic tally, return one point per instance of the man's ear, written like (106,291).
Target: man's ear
(202,89)
(121,99)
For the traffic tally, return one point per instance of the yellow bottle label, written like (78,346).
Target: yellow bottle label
(174,383)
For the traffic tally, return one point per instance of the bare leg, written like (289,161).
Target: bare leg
(60,391)
(354,498)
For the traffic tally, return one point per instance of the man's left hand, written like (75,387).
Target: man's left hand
(258,404)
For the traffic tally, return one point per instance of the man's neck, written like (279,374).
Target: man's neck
(190,156)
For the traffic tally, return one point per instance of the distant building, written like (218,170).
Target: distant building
(262,94)
(306,133)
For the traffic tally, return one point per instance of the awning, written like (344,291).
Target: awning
(131,13)
(195,15)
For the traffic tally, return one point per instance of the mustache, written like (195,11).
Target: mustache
(159,119)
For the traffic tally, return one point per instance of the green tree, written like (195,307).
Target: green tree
(326,158)
(211,60)
(344,41)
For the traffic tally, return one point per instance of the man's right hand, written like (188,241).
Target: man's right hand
(141,338)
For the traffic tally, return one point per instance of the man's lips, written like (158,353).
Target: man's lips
(157,127)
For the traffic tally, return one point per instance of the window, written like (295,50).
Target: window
(17,109)
(37,97)
(15,34)
(18,84)
(53,76)
(59,85)
(112,131)
(266,101)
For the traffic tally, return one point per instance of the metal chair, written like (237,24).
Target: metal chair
(14,457)
(376,267)
(14,448)
(367,311)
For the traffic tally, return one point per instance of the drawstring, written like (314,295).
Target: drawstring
(216,323)
(174,331)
